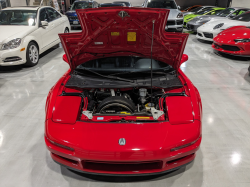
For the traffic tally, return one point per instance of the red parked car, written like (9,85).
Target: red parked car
(234,41)
(102,116)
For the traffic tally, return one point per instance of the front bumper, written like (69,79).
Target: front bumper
(100,152)
(192,27)
(7,55)
(232,48)
(174,25)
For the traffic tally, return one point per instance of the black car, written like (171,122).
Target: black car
(111,4)
(71,14)
(128,4)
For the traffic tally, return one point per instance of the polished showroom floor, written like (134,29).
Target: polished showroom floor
(222,161)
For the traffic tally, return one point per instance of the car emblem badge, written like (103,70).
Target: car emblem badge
(122,141)
(123,14)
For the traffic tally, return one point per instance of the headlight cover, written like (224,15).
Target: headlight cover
(242,40)
(218,26)
(180,15)
(12,44)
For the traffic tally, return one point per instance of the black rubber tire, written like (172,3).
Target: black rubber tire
(29,61)
(118,100)
(66,30)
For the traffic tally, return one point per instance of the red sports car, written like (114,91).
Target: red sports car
(105,116)
(234,41)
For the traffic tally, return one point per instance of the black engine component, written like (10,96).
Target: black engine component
(116,104)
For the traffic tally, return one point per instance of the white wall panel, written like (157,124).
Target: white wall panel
(18,3)
(241,3)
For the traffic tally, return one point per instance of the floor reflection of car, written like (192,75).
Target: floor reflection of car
(71,14)
(27,32)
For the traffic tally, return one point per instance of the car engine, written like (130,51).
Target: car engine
(134,103)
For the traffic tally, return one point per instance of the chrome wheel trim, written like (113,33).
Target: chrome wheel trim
(33,54)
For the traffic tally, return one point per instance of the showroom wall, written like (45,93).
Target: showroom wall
(241,3)
(18,2)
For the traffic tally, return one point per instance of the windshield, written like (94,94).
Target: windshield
(126,3)
(169,4)
(204,11)
(243,17)
(123,66)
(197,9)
(18,17)
(225,12)
(81,5)
(110,5)
(214,12)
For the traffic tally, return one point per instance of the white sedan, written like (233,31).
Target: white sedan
(212,28)
(26,32)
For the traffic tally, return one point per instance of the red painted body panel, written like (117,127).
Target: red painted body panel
(228,36)
(105,34)
(180,110)
(66,109)
(92,145)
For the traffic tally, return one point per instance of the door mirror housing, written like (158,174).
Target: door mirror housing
(179,7)
(69,7)
(184,58)
(44,24)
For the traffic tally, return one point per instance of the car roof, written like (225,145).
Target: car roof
(23,8)
(26,7)
(240,8)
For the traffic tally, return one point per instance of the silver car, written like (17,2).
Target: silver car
(175,17)
(227,13)
(196,10)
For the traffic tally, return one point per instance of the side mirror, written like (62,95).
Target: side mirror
(179,7)
(44,23)
(184,58)
(142,4)
(69,7)
(65,58)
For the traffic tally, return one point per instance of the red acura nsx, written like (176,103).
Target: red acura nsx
(124,107)
(233,41)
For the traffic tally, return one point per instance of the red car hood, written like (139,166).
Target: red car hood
(123,31)
(238,32)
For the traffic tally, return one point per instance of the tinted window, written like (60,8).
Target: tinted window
(225,12)
(169,4)
(81,5)
(126,3)
(43,15)
(214,12)
(205,11)
(18,17)
(197,9)
(243,17)
(53,14)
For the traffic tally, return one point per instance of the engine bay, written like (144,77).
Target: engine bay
(123,105)
(114,102)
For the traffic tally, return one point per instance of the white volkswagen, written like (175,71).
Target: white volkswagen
(26,32)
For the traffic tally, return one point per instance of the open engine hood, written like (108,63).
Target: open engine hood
(123,31)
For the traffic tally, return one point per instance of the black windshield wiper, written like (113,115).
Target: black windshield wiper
(106,76)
